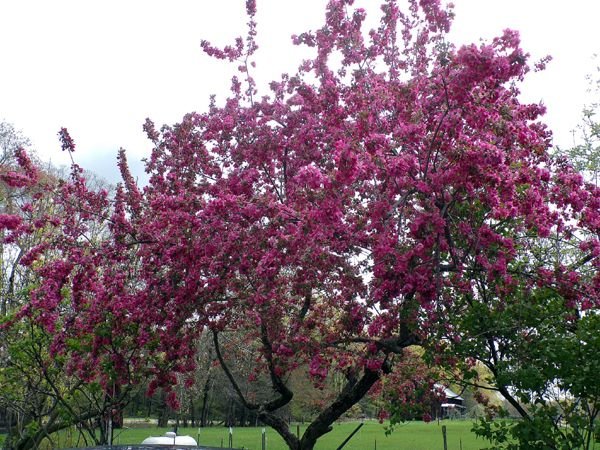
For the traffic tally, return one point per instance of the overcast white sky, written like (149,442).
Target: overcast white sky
(100,68)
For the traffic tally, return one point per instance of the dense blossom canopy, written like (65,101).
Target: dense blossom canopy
(333,220)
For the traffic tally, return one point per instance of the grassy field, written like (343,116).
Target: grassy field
(410,436)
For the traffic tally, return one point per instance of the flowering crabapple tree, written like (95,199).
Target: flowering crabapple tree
(331,221)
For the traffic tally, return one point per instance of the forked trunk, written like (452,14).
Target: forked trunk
(350,395)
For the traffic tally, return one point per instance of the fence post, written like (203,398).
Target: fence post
(264,439)
(230,437)
(444,434)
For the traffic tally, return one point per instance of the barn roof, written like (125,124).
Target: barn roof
(449,393)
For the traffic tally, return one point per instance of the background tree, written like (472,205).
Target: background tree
(585,154)
(38,393)
(12,199)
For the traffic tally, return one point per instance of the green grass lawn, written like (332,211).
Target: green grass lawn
(410,436)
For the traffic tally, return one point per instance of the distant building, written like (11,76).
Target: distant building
(452,406)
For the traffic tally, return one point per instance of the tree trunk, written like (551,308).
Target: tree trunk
(204,411)
(230,413)
(192,412)
(116,406)
(163,411)
(148,407)
(242,417)
(282,427)
(350,395)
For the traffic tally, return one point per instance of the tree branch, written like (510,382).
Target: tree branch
(229,375)
(285,394)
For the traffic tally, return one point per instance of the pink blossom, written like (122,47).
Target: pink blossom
(67,143)
(9,221)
